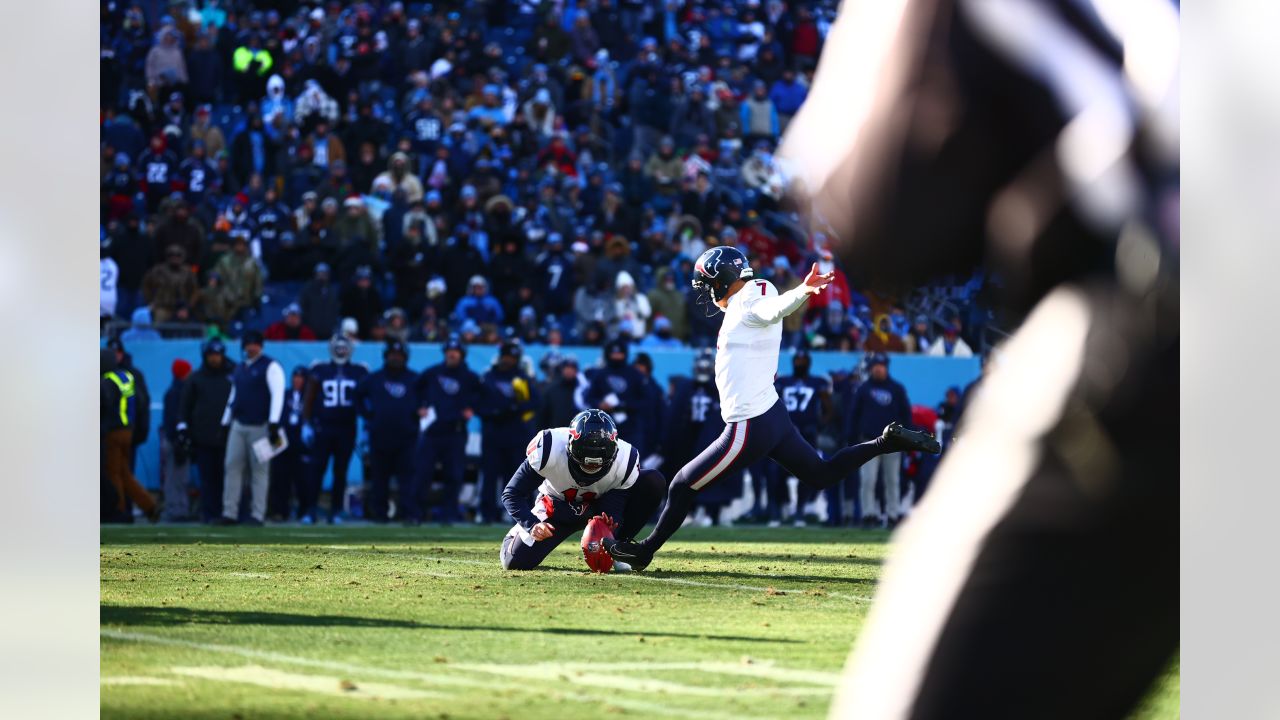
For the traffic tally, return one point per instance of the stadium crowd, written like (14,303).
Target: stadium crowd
(416,431)
(546,171)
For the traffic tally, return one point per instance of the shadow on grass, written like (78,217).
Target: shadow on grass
(791,559)
(766,579)
(151,616)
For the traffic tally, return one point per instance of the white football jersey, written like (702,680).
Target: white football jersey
(548,455)
(747,348)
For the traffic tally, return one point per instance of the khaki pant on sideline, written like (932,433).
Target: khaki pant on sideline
(892,492)
(239,452)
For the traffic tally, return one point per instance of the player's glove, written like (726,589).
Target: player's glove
(273,432)
(182,439)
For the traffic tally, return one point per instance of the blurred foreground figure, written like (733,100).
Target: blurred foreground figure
(1039,577)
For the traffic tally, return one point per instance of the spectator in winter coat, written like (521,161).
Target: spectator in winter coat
(837,291)
(540,114)
(213,302)
(630,307)
(400,177)
(169,284)
(177,227)
(788,94)
(759,116)
(665,168)
(205,66)
(203,129)
(319,302)
(951,344)
(140,327)
(165,65)
(478,306)
(919,339)
(692,117)
(661,336)
(290,327)
(357,228)
(313,105)
(241,275)
(362,302)
(668,302)
(883,339)
(253,152)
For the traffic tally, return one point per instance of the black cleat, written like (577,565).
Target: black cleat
(629,552)
(897,438)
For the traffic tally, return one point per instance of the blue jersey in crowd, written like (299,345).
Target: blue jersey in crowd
(448,391)
(334,404)
(800,395)
(877,403)
(388,402)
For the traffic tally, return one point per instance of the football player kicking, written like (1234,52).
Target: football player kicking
(757,424)
(577,472)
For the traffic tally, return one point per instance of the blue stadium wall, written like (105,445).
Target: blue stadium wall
(926,378)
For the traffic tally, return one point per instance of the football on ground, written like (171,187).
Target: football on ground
(593,551)
(354,622)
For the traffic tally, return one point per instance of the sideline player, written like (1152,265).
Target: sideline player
(756,421)
(577,472)
(329,414)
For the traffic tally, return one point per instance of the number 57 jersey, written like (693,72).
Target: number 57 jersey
(548,454)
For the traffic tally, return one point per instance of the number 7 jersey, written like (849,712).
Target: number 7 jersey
(747,348)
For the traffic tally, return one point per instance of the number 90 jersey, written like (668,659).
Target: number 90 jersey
(548,455)
(334,402)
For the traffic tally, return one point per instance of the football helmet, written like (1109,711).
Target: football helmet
(593,442)
(340,348)
(717,269)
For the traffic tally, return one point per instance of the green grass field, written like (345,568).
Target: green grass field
(349,622)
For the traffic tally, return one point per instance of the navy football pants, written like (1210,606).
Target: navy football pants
(744,443)
(395,461)
(450,450)
(337,443)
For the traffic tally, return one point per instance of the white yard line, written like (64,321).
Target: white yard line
(629,683)
(135,680)
(487,683)
(322,684)
(764,669)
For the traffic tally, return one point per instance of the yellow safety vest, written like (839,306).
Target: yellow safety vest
(241,58)
(127,389)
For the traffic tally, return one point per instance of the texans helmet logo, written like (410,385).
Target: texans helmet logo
(709,263)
